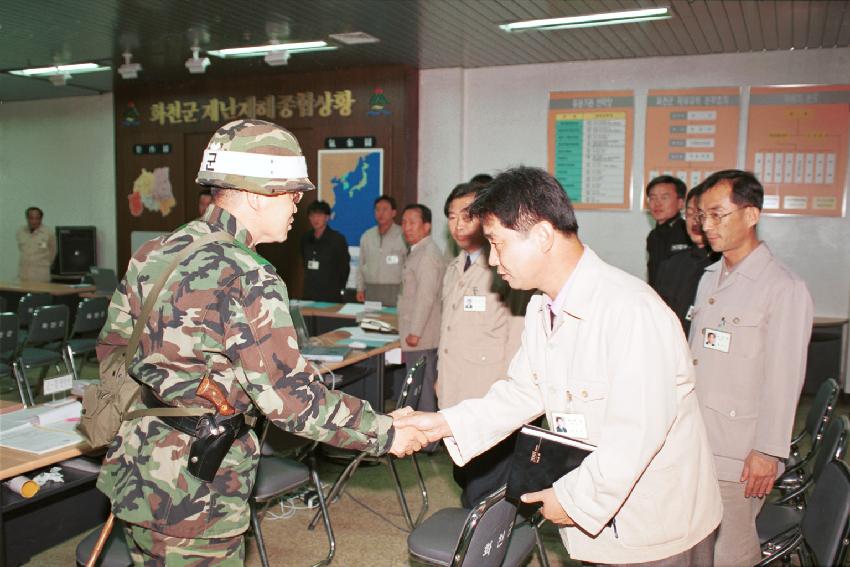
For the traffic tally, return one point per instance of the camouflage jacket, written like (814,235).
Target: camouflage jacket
(226,309)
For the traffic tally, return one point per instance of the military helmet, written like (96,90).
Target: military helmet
(255,156)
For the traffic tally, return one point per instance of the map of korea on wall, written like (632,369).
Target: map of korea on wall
(350,181)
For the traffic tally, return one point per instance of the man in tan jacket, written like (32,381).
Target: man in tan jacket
(750,333)
(480,332)
(602,351)
(36,248)
(419,300)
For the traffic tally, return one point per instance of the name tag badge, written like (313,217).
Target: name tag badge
(392,259)
(689,316)
(715,339)
(570,424)
(312,264)
(476,303)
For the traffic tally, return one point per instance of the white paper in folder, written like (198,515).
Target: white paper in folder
(42,429)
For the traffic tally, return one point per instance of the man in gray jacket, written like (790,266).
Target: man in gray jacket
(749,337)
(419,300)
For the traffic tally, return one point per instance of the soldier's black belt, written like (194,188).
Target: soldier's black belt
(214,434)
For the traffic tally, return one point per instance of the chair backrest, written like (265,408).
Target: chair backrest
(486,534)
(8,335)
(826,521)
(104,279)
(832,444)
(49,324)
(91,315)
(28,304)
(821,408)
(302,333)
(411,389)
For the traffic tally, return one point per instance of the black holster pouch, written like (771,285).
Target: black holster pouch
(214,434)
(209,448)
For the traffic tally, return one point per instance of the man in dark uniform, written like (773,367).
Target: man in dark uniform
(678,276)
(325,255)
(665,196)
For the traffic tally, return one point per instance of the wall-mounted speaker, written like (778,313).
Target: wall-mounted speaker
(76,250)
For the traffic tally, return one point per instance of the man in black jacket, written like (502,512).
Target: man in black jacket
(678,276)
(325,255)
(665,196)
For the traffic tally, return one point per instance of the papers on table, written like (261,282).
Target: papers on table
(371,340)
(41,429)
(352,309)
(310,304)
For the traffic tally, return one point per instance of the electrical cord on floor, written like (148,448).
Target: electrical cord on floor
(381,516)
(306,499)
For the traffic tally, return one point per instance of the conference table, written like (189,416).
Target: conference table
(55,289)
(13,462)
(79,498)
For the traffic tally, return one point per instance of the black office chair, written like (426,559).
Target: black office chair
(104,280)
(823,534)
(779,519)
(115,553)
(47,329)
(8,346)
(279,475)
(27,306)
(816,421)
(485,536)
(90,318)
(409,396)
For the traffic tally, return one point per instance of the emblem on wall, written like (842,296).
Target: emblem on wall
(378,103)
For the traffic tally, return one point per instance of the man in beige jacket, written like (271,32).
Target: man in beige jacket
(602,351)
(419,300)
(382,254)
(480,332)
(750,334)
(36,248)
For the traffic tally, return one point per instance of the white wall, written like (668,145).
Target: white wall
(58,155)
(498,116)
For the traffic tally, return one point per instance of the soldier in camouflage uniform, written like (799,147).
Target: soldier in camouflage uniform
(225,311)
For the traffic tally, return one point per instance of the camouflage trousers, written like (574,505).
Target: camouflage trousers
(153,549)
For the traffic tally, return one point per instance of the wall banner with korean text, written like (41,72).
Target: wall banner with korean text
(691,133)
(590,147)
(215,110)
(797,145)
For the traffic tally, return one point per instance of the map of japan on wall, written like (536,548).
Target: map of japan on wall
(350,181)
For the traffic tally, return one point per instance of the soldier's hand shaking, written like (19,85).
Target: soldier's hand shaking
(432,424)
(407,440)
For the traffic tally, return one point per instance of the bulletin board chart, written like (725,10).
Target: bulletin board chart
(590,147)
(691,133)
(797,144)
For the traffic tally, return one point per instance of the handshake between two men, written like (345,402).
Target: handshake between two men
(415,429)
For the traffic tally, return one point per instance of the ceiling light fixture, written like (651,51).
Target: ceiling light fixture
(129,70)
(258,50)
(197,65)
(76,68)
(354,38)
(590,20)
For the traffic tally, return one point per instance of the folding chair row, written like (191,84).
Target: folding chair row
(47,343)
